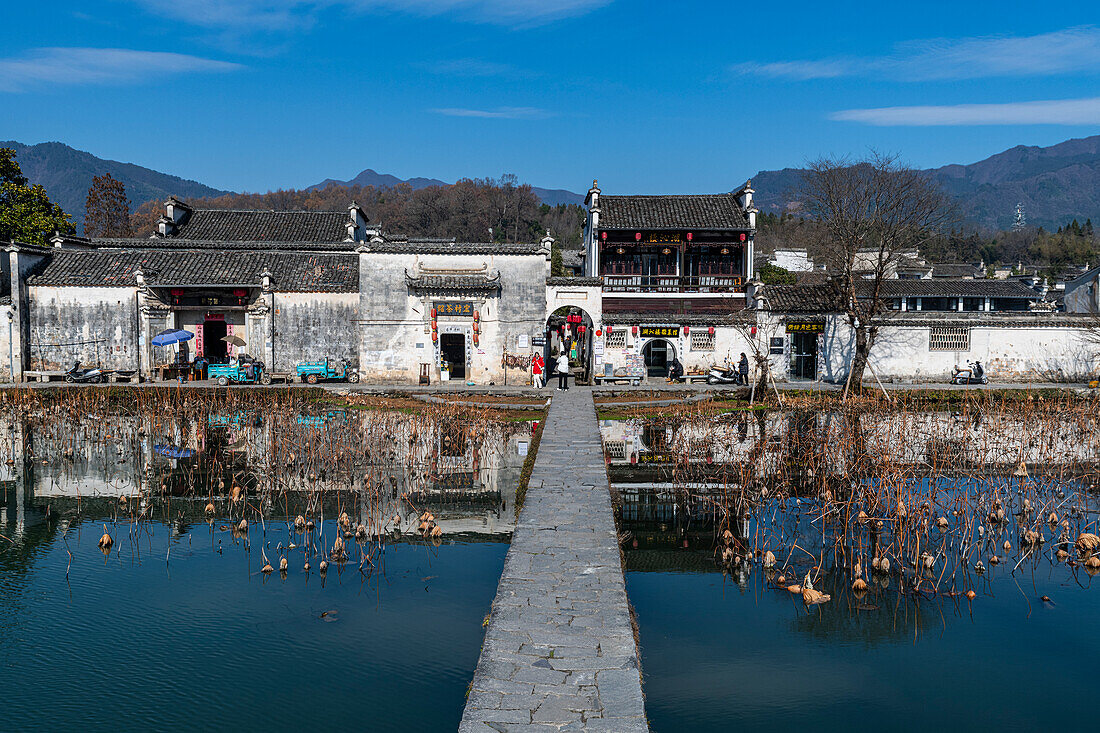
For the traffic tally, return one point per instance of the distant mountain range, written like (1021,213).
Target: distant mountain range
(1055,185)
(551,196)
(66,173)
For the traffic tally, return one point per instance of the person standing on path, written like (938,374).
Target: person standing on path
(536,370)
(563,371)
(743,369)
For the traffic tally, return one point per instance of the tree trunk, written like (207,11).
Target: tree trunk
(859,358)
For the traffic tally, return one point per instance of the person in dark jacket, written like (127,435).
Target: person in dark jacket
(743,368)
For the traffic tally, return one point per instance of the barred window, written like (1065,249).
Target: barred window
(616,340)
(702,341)
(948,338)
(616,449)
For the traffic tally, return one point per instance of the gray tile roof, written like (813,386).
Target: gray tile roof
(956,270)
(264,226)
(175,243)
(699,212)
(479,283)
(575,281)
(946,288)
(810,298)
(291,271)
(629,318)
(450,247)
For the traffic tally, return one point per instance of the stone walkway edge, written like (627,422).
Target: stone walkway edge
(559,651)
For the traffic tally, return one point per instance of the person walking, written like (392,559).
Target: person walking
(563,371)
(536,370)
(743,368)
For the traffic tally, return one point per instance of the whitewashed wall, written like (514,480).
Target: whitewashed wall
(728,344)
(1008,353)
(395,337)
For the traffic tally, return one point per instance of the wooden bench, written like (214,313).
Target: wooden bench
(634,379)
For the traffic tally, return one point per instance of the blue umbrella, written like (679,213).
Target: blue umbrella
(173,451)
(166,338)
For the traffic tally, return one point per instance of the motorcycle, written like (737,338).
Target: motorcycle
(76,374)
(973,374)
(723,375)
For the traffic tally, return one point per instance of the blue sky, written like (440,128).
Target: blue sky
(654,97)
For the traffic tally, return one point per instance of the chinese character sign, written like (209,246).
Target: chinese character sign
(445,308)
(659,331)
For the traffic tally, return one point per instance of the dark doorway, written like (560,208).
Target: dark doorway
(657,354)
(453,347)
(804,356)
(214,349)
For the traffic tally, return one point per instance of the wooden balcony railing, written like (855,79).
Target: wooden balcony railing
(673,283)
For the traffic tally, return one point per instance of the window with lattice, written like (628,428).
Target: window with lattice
(702,341)
(616,449)
(948,338)
(616,340)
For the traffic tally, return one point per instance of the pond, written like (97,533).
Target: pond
(727,642)
(186,619)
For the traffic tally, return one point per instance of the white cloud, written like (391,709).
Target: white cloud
(1047,112)
(293,14)
(82,66)
(1059,52)
(500,113)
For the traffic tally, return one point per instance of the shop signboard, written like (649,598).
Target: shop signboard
(659,331)
(453,308)
(805,326)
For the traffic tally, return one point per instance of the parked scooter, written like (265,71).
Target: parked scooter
(973,374)
(723,375)
(76,374)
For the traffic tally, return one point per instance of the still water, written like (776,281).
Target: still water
(176,626)
(726,645)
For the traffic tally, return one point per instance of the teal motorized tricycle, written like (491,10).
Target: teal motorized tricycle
(239,372)
(314,371)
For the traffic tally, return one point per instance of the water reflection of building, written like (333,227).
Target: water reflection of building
(800,443)
(381,464)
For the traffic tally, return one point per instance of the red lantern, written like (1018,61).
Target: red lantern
(609,329)
(582,329)
(477,316)
(637,236)
(743,236)
(634,330)
(177,292)
(687,330)
(433,313)
(711,330)
(753,332)
(689,236)
(603,236)
(477,328)
(240,292)
(633,457)
(599,332)
(475,338)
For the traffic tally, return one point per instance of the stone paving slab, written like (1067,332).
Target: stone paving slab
(559,651)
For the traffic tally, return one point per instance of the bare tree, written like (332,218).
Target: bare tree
(107,210)
(872,213)
(757,332)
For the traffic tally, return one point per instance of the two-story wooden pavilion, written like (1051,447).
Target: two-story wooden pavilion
(683,254)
